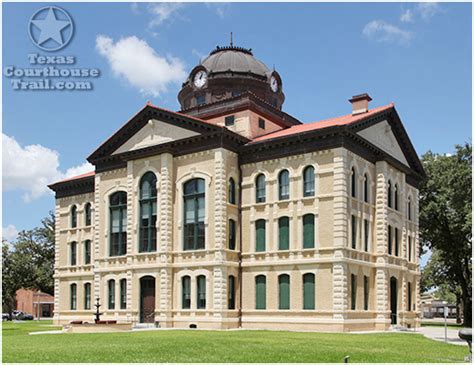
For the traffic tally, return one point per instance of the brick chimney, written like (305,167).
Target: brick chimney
(360,103)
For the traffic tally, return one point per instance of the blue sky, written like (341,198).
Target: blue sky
(418,56)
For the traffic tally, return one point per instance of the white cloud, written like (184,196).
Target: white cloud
(381,31)
(135,61)
(134,7)
(161,12)
(31,168)
(427,10)
(407,16)
(9,233)
(220,8)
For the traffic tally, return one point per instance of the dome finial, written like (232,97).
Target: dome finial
(231,40)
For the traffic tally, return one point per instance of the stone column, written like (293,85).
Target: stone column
(57,235)
(96,240)
(166,238)
(220,232)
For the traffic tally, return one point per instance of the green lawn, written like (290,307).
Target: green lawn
(220,346)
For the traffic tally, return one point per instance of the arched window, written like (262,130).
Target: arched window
(308,181)
(284,233)
(260,292)
(186,292)
(409,208)
(284,291)
(194,215)
(88,214)
(308,291)
(73,296)
(232,234)
(260,193)
(232,198)
(308,231)
(73,216)
(73,253)
(353,183)
(231,292)
(396,196)
(260,234)
(366,188)
(201,292)
(284,185)
(118,223)
(87,296)
(111,294)
(123,294)
(389,194)
(148,207)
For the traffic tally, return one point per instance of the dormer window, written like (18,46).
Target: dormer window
(200,99)
(261,123)
(230,120)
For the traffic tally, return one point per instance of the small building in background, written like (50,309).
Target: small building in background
(35,303)
(431,307)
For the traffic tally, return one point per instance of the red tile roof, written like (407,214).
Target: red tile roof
(81,176)
(306,127)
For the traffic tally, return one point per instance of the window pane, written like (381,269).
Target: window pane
(308,181)
(284,233)
(186,291)
(308,291)
(201,292)
(284,185)
(260,290)
(308,231)
(260,235)
(284,291)
(231,290)
(353,291)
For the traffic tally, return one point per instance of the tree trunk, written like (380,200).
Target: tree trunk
(458,308)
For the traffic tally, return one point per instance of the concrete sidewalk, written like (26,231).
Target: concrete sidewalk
(437,333)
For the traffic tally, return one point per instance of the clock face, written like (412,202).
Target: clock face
(274,84)
(200,79)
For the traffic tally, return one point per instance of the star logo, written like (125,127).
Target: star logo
(50,28)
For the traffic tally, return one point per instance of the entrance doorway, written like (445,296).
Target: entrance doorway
(147,299)
(393,299)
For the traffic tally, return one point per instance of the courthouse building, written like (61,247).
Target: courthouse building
(232,213)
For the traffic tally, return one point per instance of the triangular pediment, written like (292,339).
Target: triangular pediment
(382,136)
(155,132)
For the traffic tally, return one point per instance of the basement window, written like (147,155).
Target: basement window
(261,123)
(229,121)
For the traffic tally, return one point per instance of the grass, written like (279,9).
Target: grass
(220,346)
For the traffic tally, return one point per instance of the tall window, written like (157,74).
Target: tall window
(260,189)
(284,233)
(366,235)
(409,209)
(308,231)
(231,292)
(232,234)
(186,292)
(354,231)
(389,194)
(73,216)
(87,296)
(409,248)
(73,253)
(260,235)
(88,214)
(353,183)
(396,242)
(409,297)
(308,291)
(232,198)
(353,291)
(111,287)
(308,181)
(194,214)
(366,188)
(396,196)
(123,294)
(260,292)
(284,185)
(148,204)
(201,292)
(87,252)
(366,292)
(73,296)
(389,240)
(118,223)
(284,291)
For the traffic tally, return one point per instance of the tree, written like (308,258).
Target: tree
(445,221)
(28,262)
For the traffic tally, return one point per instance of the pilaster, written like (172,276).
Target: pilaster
(340,198)
(57,235)
(96,241)
(381,212)
(340,291)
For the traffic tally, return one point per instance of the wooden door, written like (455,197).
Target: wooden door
(147,299)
